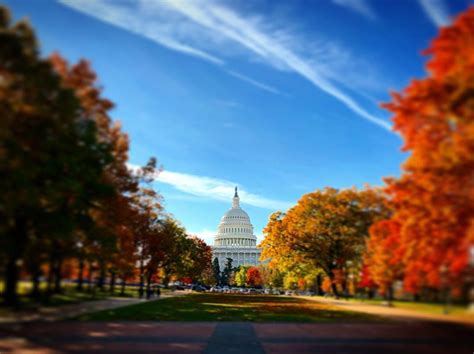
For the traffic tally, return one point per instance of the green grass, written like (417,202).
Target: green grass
(232,307)
(68,295)
(425,307)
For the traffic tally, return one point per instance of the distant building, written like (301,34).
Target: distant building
(235,238)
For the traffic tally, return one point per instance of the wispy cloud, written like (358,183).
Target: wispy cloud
(152,27)
(215,188)
(201,28)
(268,47)
(437,11)
(254,82)
(360,6)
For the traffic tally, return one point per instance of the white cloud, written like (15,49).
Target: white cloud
(200,28)
(217,189)
(254,82)
(437,11)
(272,48)
(206,235)
(214,188)
(153,27)
(360,6)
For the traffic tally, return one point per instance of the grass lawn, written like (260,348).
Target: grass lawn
(69,295)
(232,307)
(426,307)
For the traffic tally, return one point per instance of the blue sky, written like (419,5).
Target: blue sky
(277,97)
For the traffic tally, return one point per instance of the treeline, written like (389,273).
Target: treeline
(69,205)
(419,229)
(241,276)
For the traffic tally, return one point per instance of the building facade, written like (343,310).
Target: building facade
(235,238)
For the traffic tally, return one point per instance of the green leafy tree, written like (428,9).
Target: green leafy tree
(51,160)
(240,277)
(216,271)
(227,272)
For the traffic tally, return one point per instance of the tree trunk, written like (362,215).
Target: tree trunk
(142,279)
(80,278)
(122,290)
(148,286)
(35,292)
(58,275)
(333,284)
(389,295)
(50,280)
(90,278)
(18,241)
(11,281)
(112,282)
(101,280)
(318,285)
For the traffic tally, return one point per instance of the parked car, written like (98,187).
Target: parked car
(198,288)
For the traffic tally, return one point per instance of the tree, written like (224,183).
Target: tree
(200,256)
(434,197)
(253,277)
(113,215)
(240,276)
(325,230)
(384,254)
(366,282)
(51,160)
(227,272)
(216,271)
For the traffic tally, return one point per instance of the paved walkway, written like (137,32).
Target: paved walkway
(396,313)
(413,336)
(235,337)
(49,314)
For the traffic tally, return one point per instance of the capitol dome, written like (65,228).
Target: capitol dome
(235,238)
(235,228)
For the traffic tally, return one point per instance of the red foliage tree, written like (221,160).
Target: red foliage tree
(254,277)
(434,198)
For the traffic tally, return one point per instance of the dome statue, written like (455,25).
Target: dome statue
(235,238)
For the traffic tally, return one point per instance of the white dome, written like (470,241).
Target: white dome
(235,228)
(236,213)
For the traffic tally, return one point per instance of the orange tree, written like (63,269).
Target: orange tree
(326,230)
(434,197)
(384,255)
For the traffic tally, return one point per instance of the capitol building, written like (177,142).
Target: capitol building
(235,238)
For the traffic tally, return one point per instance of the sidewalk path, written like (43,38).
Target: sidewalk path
(238,337)
(50,314)
(396,313)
